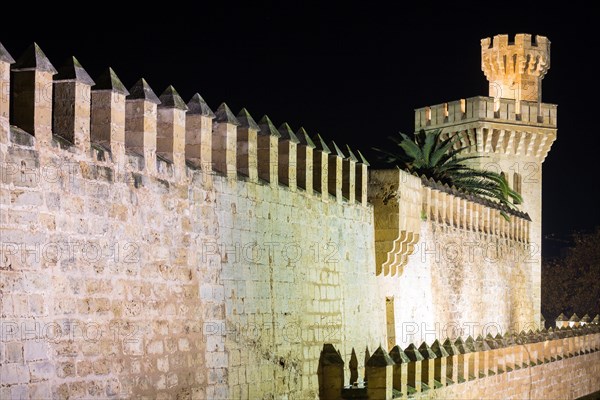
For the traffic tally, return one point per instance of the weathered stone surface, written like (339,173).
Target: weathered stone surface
(33,59)
(171,99)
(72,70)
(225,115)
(142,91)
(198,106)
(131,281)
(5,55)
(108,80)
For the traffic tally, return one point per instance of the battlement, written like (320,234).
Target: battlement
(522,42)
(527,364)
(483,108)
(515,69)
(402,202)
(495,125)
(136,131)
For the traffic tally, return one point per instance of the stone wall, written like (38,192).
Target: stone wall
(121,284)
(290,270)
(548,364)
(129,269)
(154,249)
(458,267)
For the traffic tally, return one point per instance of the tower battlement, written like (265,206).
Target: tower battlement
(515,69)
(494,125)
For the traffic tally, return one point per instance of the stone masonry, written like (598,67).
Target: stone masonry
(151,248)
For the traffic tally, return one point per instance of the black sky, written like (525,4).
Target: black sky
(353,73)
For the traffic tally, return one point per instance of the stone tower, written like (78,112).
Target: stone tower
(512,130)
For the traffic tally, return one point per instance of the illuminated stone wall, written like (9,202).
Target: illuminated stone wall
(153,248)
(124,274)
(450,265)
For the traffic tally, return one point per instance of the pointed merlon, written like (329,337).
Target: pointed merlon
(426,351)
(198,106)
(351,155)
(304,139)
(574,318)
(470,344)
(362,159)
(225,115)
(329,356)
(34,59)
(72,70)
(451,348)
(246,120)
(320,144)
(439,349)
(379,359)
(500,340)
(5,55)
(142,91)
(287,133)
(336,150)
(460,345)
(586,318)
(109,80)
(398,356)
(481,344)
(490,342)
(267,128)
(596,319)
(171,99)
(413,353)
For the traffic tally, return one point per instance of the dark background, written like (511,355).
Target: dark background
(353,73)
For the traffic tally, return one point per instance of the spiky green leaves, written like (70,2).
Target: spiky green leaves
(440,159)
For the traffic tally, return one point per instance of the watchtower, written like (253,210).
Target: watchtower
(511,129)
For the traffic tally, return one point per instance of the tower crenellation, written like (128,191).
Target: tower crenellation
(515,69)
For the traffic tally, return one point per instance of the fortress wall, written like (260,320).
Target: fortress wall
(295,273)
(451,265)
(100,280)
(461,282)
(123,284)
(155,249)
(129,269)
(548,364)
(570,378)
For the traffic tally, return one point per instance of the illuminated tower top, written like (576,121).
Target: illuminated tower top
(515,69)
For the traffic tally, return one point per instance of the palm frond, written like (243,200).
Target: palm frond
(427,154)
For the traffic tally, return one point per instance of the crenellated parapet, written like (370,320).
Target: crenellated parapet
(515,69)
(137,131)
(490,126)
(450,368)
(402,202)
(448,206)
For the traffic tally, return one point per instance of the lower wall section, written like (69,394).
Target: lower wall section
(547,364)
(566,379)
(117,284)
(461,283)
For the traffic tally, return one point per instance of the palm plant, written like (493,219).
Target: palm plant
(433,157)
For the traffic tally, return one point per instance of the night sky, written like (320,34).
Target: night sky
(353,73)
